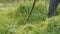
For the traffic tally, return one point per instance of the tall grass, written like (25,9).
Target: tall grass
(11,22)
(39,13)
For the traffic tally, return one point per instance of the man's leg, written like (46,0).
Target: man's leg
(52,7)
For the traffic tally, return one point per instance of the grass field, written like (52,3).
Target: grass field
(12,20)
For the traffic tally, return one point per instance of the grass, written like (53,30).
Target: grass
(11,21)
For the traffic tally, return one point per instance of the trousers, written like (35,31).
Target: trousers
(53,4)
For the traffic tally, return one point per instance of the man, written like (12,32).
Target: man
(53,7)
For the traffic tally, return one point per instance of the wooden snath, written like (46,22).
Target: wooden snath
(30,12)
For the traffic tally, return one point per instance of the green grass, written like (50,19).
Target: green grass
(50,27)
(12,20)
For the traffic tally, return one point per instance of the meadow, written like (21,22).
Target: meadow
(12,19)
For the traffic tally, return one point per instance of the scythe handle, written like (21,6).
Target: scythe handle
(30,12)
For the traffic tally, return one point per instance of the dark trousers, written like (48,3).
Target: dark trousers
(53,7)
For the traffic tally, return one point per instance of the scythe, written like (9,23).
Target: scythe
(30,12)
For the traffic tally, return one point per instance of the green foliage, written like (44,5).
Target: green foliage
(39,12)
(12,22)
(58,10)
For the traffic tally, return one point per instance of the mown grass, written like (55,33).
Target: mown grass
(12,21)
